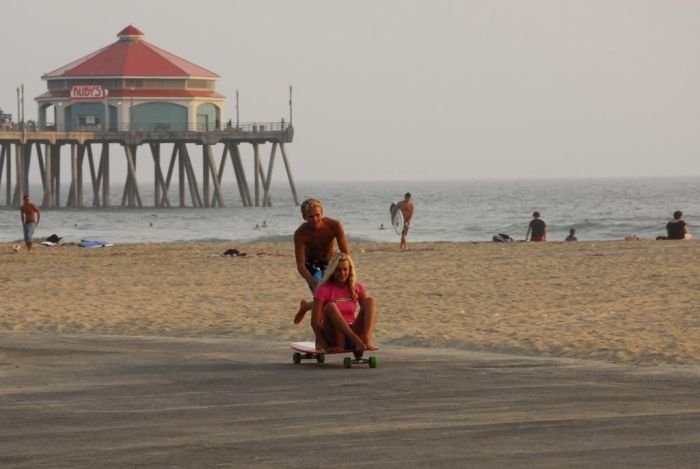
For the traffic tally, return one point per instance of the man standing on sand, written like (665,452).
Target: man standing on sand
(314,245)
(537,227)
(30,219)
(407,209)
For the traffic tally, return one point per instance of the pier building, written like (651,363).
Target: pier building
(134,94)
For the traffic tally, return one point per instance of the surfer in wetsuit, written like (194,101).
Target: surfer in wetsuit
(314,245)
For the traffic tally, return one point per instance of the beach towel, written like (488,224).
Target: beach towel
(85,243)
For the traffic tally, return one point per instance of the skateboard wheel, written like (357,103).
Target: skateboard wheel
(320,358)
(372,362)
(296,357)
(347,362)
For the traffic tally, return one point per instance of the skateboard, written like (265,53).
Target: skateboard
(307,351)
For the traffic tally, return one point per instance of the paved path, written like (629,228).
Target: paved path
(159,402)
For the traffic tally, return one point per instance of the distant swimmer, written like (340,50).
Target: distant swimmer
(537,227)
(677,228)
(257,227)
(30,216)
(381,226)
(264,224)
(572,235)
(407,209)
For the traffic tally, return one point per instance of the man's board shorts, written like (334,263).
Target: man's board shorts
(28,232)
(537,238)
(316,269)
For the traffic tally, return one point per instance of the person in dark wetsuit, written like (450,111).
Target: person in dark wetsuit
(314,245)
(677,228)
(537,227)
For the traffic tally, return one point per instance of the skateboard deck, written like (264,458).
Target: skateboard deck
(307,351)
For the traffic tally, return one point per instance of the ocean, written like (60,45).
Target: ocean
(599,209)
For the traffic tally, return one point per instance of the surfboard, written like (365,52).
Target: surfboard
(396,217)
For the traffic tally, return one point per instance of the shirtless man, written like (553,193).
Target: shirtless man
(407,208)
(30,219)
(314,245)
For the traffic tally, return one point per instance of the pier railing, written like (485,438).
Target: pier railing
(247,127)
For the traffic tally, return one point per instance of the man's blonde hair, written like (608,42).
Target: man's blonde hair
(333,264)
(309,204)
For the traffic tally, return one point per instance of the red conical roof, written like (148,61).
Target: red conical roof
(131,56)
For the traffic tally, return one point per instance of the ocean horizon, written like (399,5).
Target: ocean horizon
(458,210)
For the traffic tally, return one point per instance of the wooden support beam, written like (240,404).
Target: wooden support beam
(165,200)
(205,176)
(243,182)
(27,157)
(181,175)
(161,189)
(192,178)
(8,175)
(218,192)
(2,163)
(289,174)
(155,154)
(104,175)
(134,193)
(73,195)
(47,180)
(237,173)
(267,200)
(57,174)
(79,180)
(222,164)
(40,161)
(256,165)
(93,177)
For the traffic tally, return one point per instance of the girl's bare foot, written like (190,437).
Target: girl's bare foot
(371,347)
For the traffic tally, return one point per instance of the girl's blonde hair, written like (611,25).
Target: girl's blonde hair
(333,264)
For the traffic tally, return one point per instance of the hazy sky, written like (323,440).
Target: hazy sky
(408,90)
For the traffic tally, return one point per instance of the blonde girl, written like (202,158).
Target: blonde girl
(333,318)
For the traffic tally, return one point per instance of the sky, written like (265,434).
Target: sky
(417,90)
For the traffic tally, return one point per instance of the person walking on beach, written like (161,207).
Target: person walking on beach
(677,228)
(314,246)
(30,216)
(537,227)
(333,319)
(407,209)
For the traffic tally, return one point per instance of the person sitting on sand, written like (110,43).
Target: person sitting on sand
(537,227)
(572,235)
(314,245)
(333,317)
(677,228)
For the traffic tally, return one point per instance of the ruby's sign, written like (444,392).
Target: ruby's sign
(87,93)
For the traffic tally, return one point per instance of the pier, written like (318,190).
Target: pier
(199,189)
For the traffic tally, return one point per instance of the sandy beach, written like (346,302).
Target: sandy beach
(632,302)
